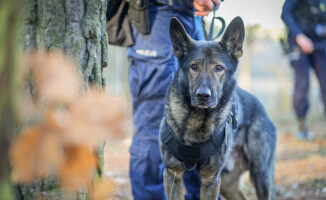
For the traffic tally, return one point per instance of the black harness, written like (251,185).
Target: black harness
(191,155)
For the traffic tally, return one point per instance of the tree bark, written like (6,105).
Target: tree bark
(78,28)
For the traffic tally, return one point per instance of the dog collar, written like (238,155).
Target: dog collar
(191,155)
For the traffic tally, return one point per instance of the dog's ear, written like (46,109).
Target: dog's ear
(233,38)
(180,39)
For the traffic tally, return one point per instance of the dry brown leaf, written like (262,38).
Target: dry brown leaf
(77,168)
(36,154)
(95,117)
(55,119)
(294,146)
(72,128)
(300,170)
(57,78)
(103,190)
(27,108)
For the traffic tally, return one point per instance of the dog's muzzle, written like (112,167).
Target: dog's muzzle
(203,94)
(203,98)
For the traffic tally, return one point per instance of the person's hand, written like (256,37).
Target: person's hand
(204,7)
(304,43)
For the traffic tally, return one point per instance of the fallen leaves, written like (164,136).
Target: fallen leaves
(93,118)
(103,190)
(35,154)
(298,161)
(56,77)
(64,142)
(76,169)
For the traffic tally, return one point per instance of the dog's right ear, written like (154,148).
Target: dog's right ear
(233,38)
(180,39)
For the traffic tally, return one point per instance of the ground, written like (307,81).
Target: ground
(300,172)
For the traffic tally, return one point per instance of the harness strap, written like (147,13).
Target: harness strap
(191,155)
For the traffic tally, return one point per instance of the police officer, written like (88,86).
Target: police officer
(152,68)
(306,21)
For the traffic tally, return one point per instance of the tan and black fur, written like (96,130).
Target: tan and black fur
(197,106)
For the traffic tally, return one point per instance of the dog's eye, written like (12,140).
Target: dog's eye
(194,67)
(218,68)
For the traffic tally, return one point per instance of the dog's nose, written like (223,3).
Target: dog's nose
(203,93)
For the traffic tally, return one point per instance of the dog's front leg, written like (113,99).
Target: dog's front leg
(173,184)
(210,188)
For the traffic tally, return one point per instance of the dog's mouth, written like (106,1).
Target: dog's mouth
(203,104)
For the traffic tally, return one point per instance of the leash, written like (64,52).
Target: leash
(175,173)
(211,29)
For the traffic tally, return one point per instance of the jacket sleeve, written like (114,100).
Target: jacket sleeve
(288,18)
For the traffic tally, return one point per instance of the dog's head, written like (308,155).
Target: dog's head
(208,67)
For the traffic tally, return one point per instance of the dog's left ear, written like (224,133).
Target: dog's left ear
(233,38)
(180,39)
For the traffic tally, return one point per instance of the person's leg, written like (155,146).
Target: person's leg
(145,176)
(301,64)
(320,69)
(301,85)
(301,68)
(192,184)
(148,84)
(152,67)
(146,165)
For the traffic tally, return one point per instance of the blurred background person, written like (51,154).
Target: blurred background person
(306,21)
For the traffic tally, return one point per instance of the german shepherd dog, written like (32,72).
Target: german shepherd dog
(203,102)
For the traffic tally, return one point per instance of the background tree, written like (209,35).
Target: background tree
(76,27)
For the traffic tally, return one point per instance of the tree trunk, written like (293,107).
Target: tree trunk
(77,27)
(9,30)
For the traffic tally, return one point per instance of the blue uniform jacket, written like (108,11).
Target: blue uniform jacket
(303,16)
(184,6)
